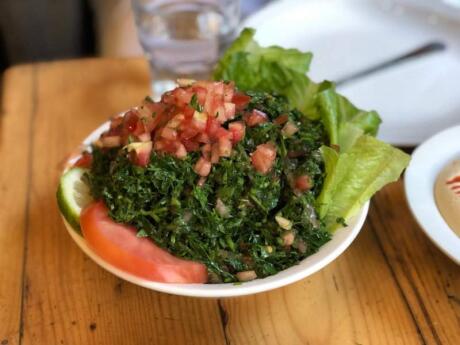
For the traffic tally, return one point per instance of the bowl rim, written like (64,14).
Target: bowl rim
(341,240)
(427,162)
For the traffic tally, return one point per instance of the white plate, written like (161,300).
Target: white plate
(340,241)
(416,98)
(427,162)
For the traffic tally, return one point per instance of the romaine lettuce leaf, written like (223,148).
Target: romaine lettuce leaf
(342,119)
(354,176)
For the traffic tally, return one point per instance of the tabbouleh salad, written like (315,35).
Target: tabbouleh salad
(233,179)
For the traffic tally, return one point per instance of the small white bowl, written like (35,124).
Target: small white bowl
(340,241)
(427,162)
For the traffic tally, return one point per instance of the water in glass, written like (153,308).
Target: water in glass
(184,38)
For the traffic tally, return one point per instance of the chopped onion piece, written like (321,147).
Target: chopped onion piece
(182,82)
(246,276)
(284,223)
(222,209)
(289,129)
(288,238)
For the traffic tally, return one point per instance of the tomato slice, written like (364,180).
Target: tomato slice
(118,244)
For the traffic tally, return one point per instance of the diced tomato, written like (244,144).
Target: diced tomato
(175,127)
(206,151)
(132,124)
(202,167)
(191,145)
(200,93)
(213,105)
(263,157)
(183,96)
(176,121)
(281,120)
(168,98)
(199,120)
(215,153)
(229,91)
(203,138)
(225,147)
(188,131)
(238,130)
(154,117)
(229,110)
(85,160)
(221,114)
(240,100)
(255,118)
(212,126)
(119,245)
(223,133)
(181,151)
(169,133)
(218,88)
(188,112)
(303,183)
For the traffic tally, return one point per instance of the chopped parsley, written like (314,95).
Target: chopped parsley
(195,104)
(164,201)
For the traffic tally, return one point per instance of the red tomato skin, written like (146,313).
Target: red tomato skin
(118,245)
(132,125)
(241,100)
(212,126)
(281,120)
(85,160)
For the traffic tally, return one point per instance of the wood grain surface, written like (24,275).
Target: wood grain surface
(392,286)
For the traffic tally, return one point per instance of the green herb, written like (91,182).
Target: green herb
(148,99)
(164,202)
(195,104)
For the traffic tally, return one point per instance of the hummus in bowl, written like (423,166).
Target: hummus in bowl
(447,194)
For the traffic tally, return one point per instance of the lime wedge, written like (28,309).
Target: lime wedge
(73,195)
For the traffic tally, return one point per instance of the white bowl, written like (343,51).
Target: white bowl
(427,162)
(341,239)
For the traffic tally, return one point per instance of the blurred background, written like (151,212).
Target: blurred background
(41,30)
(400,57)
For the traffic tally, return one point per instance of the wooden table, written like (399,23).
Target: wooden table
(392,286)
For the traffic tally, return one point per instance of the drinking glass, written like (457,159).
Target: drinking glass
(184,38)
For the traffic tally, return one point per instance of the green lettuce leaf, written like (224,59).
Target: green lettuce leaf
(343,121)
(271,69)
(354,176)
